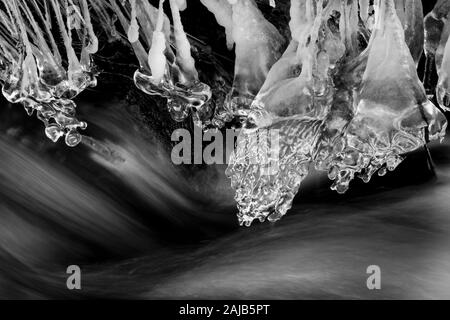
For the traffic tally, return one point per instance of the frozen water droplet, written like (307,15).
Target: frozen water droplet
(54,132)
(83,125)
(73,138)
(382,172)
(182,4)
(133,33)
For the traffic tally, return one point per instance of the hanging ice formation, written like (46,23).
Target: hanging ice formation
(393,116)
(167,67)
(437,49)
(340,94)
(258,45)
(293,101)
(40,72)
(348,109)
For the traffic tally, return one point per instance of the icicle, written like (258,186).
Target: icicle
(410,13)
(156,58)
(181,4)
(74,63)
(434,24)
(364,10)
(290,89)
(392,112)
(138,48)
(258,47)
(346,77)
(100,10)
(437,33)
(300,19)
(91,45)
(443,86)
(184,58)
(348,25)
(163,72)
(223,13)
(350,111)
(133,31)
(292,103)
(37,78)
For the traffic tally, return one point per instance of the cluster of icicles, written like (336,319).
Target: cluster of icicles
(38,71)
(345,97)
(342,90)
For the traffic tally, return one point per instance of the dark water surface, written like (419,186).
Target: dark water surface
(140,227)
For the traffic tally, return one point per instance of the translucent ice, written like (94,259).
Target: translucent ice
(434,25)
(291,105)
(184,57)
(156,57)
(346,79)
(298,84)
(341,95)
(393,115)
(410,13)
(364,10)
(41,74)
(133,30)
(258,46)
(224,15)
(436,35)
(259,165)
(437,48)
(443,69)
(333,104)
(163,71)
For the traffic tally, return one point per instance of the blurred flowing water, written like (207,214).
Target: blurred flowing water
(140,227)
